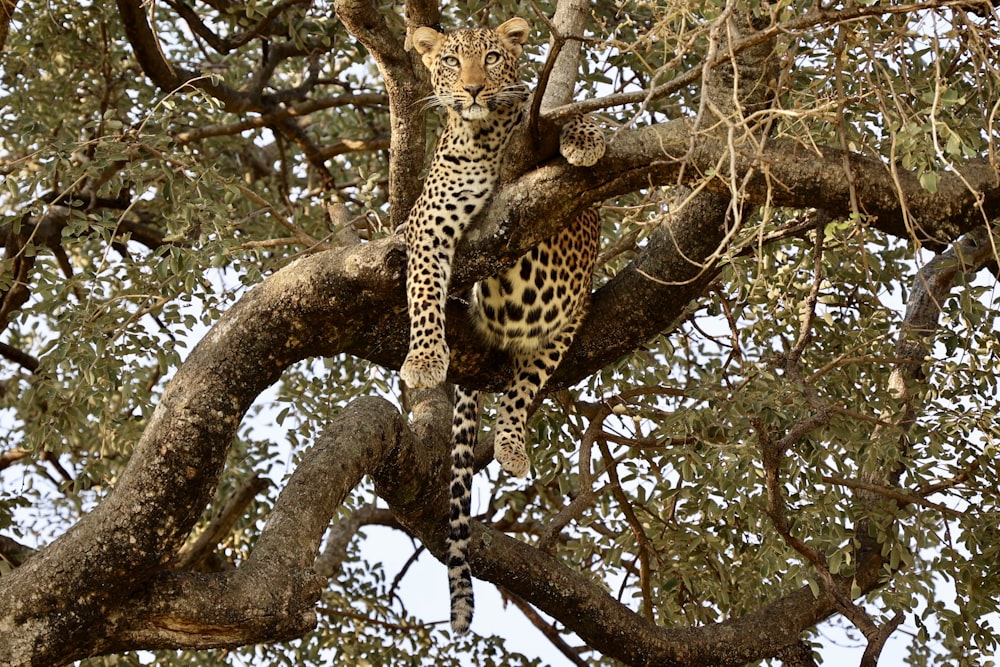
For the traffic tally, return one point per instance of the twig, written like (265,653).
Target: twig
(960,478)
(805,22)
(403,570)
(303,237)
(272,117)
(368,618)
(640,536)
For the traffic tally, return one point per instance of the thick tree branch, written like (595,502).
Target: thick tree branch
(176,609)
(351,300)
(323,304)
(272,595)
(167,76)
(615,630)
(423,13)
(405,84)
(557,82)
(6,15)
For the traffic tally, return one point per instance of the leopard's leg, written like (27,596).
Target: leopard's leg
(465,428)
(531,371)
(428,272)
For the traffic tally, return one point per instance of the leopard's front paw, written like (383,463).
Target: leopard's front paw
(581,142)
(424,369)
(508,449)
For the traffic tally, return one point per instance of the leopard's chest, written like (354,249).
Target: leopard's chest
(459,183)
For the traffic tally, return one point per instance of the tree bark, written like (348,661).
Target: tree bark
(66,601)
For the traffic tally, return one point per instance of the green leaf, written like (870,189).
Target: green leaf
(929,181)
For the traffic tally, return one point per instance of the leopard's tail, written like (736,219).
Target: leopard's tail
(463,434)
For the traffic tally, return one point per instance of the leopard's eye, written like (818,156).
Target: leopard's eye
(450,61)
(492,58)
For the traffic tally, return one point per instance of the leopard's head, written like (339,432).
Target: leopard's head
(474,71)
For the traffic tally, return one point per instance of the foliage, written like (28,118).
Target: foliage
(149,212)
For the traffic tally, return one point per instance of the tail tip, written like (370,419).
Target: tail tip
(461,618)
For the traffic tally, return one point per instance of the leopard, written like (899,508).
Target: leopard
(531,310)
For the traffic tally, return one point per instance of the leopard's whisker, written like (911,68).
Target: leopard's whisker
(430,102)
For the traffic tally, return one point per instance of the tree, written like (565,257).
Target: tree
(749,436)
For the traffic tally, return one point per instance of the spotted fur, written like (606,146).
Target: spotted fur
(533,309)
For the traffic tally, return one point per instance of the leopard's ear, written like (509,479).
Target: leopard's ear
(513,33)
(427,41)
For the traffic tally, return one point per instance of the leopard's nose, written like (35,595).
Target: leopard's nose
(474,89)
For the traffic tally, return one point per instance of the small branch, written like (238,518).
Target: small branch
(772,455)
(368,619)
(543,79)
(195,553)
(19,357)
(341,533)
(777,512)
(274,243)
(353,146)
(291,128)
(12,456)
(162,72)
(13,552)
(553,527)
(929,291)
(645,549)
(303,237)
(414,557)
(546,629)
(226,44)
(275,116)
(809,314)
(960,478)
(901,497)
(877,642)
